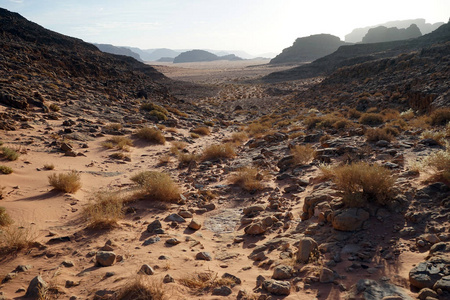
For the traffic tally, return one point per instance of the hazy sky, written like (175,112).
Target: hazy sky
(255,26)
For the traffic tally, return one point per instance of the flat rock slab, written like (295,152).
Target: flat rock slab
(225,221)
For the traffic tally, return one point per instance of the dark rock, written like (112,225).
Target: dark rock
(174,218)
(277,287)
(222,291)
(105,258)
(155,227)
(232,277)
(146,270)
(151,240)
(168,279)
(204,256)
(282,272)
(368,289)
(34,288)
(349,219)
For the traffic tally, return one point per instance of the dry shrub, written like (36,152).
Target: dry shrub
(54,107)
(440,116)
(257,128)
(104,210)
(237,137)
(49,167)
(187,158)
(377,134)
(248,178)
(175,111)
(179,145)
(361,182)
(390,114)
(371,119)
(69,182)
(5,219)
(194,135)
(328,121)
(5,169)
(218,151)
(438,136)
(201,130)
(152,135)
(9,153)
(119,156)
(158,186)
(302,154)
(438,163)
(205,281)
(353,113)
(420,122)
(120,142)
(113,127)
(142,288)
(15,238)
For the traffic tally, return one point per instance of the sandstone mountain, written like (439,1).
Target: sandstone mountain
(202,55)
(118,50)
(383,34)
(357,34)
(307,49)
(360,53)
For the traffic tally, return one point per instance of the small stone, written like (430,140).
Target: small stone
(282,272)
(151,240)
(232,277)
(204,256)
(155,227)
(68,263)
(105,258)
(35,286)
(168,279)
(277,287)
(222,291)
(175,218)
(195,225)
(146,270)
(173,241)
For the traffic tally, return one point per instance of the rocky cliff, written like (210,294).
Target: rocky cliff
(307,49)
(384,34)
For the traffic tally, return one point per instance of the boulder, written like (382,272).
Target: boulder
(146,270)
(282,272)
(326,275)
(222,291)
(368,289)
(195,225)
(253,209)
(204,256)
(349,219)
(105,258)
(424,293)
(443,284)
(37,284)
(277,287)
(155,227)
(255,228)
(306,247)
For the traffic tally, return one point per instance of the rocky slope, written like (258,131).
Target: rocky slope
(118,50)
(307,49)
(202,55)
(355,54)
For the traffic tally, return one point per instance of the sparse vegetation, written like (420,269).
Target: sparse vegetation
(152,135)
(205,281)
(438,163)
(5,219)
(440,116)
(142,288)
(302,154)
(113,127)
(249,178)
(361,182)
(5,169)
(377,134)
(67,182)
(49,167)
(371,119)
(9,153)
(158,186)
(119,142)
(14,238)
(54,107)
(219,151)
(438,136)
(201,130)
(104,210)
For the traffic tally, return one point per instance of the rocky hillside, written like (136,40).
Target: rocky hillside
(202,55)
(382,34)
(357,34)
(307,49)
(360,53)
(118,50)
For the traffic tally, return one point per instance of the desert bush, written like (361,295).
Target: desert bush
(67,182)
(14,238)
(440,116)
(201,130)
(343,124)
(354,114)
(377,134)
(158,186)
(152,135)
(119,156)
(159,115)
(54,107)
(5,219)
(371,119)
(209,123)
(390,114)
(302,154)
(104,210)
(5,169)
(205,281)
(361,182)
(113,127)
(49,167)
(9,153)
(437,135)
(194,135)
(438,163)
(256,128)
(248,178)
(175,111)
(120,142)
(187,158)
(142,288)
(218,151)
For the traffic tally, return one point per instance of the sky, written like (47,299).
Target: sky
(254,26)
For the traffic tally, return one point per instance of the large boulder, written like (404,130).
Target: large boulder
(349,219)
(37,284)
(306,247)
(277,287)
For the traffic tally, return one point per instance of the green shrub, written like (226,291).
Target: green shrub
(5,170)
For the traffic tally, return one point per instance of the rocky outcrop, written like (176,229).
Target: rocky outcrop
(308,49)
(201,55)
(383,34)
(368,289)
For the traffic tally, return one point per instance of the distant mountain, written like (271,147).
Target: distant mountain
(155,54)
(383,34)
(357,34)
(307,49)
(360,53)
(118,50)
(165,59)
(202,55)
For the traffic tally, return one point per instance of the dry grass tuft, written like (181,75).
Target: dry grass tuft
(438,136)
(187,158)
(158,186)
(120,142)
(361,182)
(237,137)
(68,182)
(152,135)
(440,116)
(105,210)
(205,281)
(377,134)
(5,219)
(249,178)
(15,238)
(371,119)
(49,167)
(201,130)
(302,154)
(142,288)
(438,164)
(219,151)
